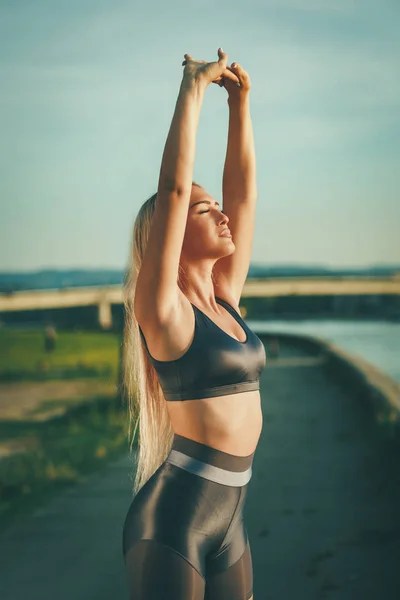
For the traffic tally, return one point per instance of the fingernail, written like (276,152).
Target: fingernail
(221,49)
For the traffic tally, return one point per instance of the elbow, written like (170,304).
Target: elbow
(172,186)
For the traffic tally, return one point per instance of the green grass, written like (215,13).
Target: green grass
(67,450)
(23,354)
(61,451)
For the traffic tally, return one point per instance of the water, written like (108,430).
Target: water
(378,342)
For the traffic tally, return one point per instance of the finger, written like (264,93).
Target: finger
(188,57)
(237,69)
(223,57)
(229,74)
(197,61)
(240,72)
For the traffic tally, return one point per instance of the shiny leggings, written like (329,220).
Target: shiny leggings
(184,536)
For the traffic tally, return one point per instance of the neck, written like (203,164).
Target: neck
(198,286)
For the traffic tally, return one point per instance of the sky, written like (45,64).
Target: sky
(88,90)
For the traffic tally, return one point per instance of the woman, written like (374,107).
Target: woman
(191,364)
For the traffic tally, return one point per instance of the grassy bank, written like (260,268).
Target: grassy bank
(59,453)
(76,354)
(57,435)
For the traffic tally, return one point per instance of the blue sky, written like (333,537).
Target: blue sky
(87,94)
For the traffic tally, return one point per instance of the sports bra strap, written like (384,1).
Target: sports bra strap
(229,308)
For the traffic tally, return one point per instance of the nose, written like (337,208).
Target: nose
(224,218)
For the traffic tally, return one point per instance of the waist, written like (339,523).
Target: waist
(230,423)
(210,463)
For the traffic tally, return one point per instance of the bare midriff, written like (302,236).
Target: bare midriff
(231,423)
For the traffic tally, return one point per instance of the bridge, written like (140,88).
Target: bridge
(105,296)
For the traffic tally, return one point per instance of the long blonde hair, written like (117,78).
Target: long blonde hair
(140,387)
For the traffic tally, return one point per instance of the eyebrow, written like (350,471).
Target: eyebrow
(202,201)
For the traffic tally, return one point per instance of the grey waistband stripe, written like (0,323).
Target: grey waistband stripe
(197,467)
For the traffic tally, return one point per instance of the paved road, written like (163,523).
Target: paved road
(323,511)
(323,514)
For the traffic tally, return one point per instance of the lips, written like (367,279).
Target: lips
(225,233)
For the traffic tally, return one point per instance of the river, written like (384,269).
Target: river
(378,342)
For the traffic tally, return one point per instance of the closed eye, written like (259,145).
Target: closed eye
(204,211)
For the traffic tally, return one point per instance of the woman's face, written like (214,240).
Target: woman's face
(205,222)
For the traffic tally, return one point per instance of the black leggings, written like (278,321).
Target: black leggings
(184,537)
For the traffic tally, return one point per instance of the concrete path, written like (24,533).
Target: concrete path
(323,510)
(323,513)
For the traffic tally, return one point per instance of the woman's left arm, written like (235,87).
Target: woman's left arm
(239,189)
(239,176)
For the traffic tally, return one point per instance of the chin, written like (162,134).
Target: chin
(230,250)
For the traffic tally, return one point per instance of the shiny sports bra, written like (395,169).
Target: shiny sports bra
(215,364)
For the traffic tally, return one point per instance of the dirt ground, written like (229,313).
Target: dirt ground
(22,400)
(41,400)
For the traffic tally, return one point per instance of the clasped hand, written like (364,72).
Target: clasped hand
(234,78)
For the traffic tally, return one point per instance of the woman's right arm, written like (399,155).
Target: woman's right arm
(176,173)
(157,291)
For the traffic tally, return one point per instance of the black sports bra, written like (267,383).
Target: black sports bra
(215,364)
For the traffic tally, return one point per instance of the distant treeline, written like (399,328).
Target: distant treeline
(59,279)
(351,307)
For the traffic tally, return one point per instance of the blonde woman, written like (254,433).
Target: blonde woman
(191,364)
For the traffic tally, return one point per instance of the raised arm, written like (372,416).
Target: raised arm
(157,289)
(239,187)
